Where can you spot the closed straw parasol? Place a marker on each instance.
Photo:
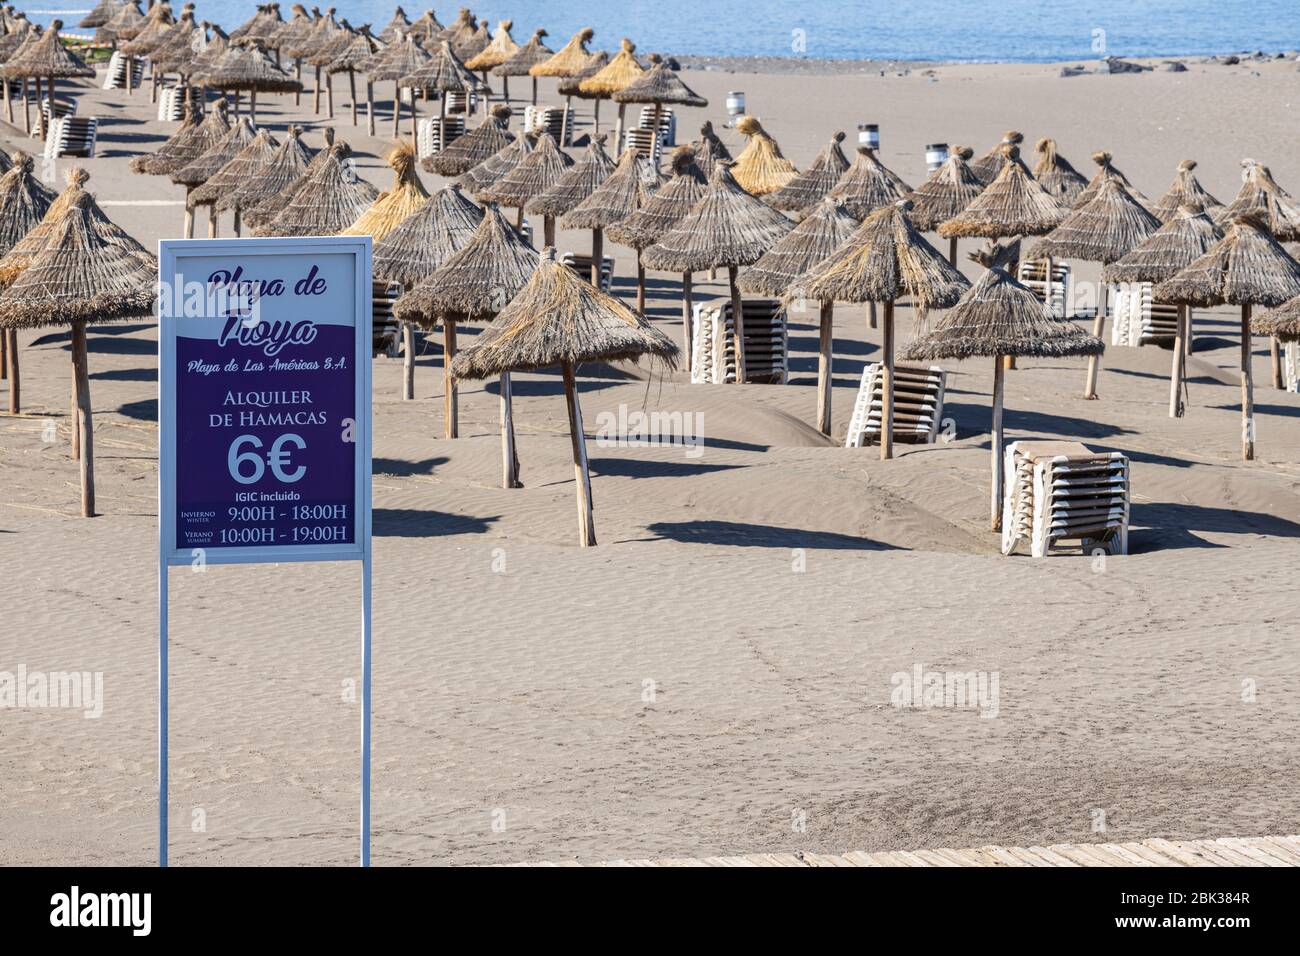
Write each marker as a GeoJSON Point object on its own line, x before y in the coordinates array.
{"type": "Point", "coordinates": [1000, 317]}
{"type": "Point", "coordinates": [661, 87]}
{"type": "Point", "coordinates": [46, 57]}
{"type": "Point", "coordinates": [987, 167]}
{"type": "Point", "coordinates": [726, 227]}
{"type": "Point", "coordinates": [465, 152]}
{"type": "Point", "coordinates": [246, 165]}
{"type": "Point", "coordinates": [462, 26]}
{"type": "Point", "coordinates": [392, 207]}
{"type": "Point", "coordinates": [124, 24]}
{"type": "Point", "coordinates": [471, 284]}
{"type": "Point", "coordinates": [249, 27]}
{"type": "Point", "coordinates": [868, 184]}
{"type": "Point", "coordinates": [443, 73]}
{"type": "Point", "coordinates": [306, 42]}
{"type": "Point", "coordinates": [285, 167]}
{"type": "Point", "coordinates": [626, 188]}
{"type": "Point", "coordinates": [153, 33]}
{"type": "Point", "coordinates": [289, 35]}
{"type": "Point", "coordinates": [327, 52]}
{"type": "Point", "coordinates": [264, 204]}
{"type": "Point", "coordinates": [661, 212]}
{"type": "Point", "coordinates": [568, 61]}
{"type": "Point", "coordinates": [500, 49]}
{"type": "Point", "coordinates": [709, 149]}
{"type": "Point", "coordinates": [396, 27]}
{"type": "Point", "coordinates": [1101, 230]}
{"type": "Point", "coordinates": [523, 60]}
{"type": "Point", "coordinates": [950, 189]}
{"type": "Point", "coordinates": [1014, 204]}
{"type": "Point", "coordinates": [1247, 267]}
{"type": "Point", "coordinates": [883, 261]}
{"type": "Point", "coordinates": [533, 175]}
{"type": "Point", "coordinates": [808, 187]}
{"type": "Point", "coordinates": [761, 168]}
{"type": "Point", "coordinates": [1186, 190]}
{"type": "Point", "coordinates": [203, 168]}
{"type": "Point", "coordinates": [575, 185]}
{"type": "Point", "coordinates": [1055, 174]}
{"type": "Point", "coordinates": [101, 14]}
{"type": "Point", "coordinates": [421, 242]}
{"type": "Point", "coordinates": [24, 201]}
{"type": "Point", "coordinates": [249, 68]}
{"type": "Point", "coordinates": [400, 58]}
{"type": "Point", "coordinates": [619, 73]}
{"type": "Point", "coordinates": [1106, 170]}
{"type": "Point", "coordinates": [820, 233]}
{"type": "Point", "coordinates": [475, 43]}
{"type": "Point", "coordinates": [427, 29]}
{"type": "Point", "coordinates": [358, 48]}
{"type": "Point", "coordinates": [497, 165]}
{"type": "Point", "coordinates": [572, 86]}
{"type": "Point", "coordinates": [327, 201]}
{"type": "Point", "coordinates": [176, 52]}
{"type": "Point", "coordinates": [84, 273]}
{"type": "Point", "coordinates": [1186, 236]}
{"type": "Point", "coordinates": [560, 319]}
{"type": "Point", "coordinates": [1259, 191]}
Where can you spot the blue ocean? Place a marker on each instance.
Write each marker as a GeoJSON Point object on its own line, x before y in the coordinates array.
{"type": "Point", "coordinates": [967, 30]}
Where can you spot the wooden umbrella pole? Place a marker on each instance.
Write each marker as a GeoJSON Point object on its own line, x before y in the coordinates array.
{"type": "Point", "coordinates": [329, 94]}
{"type": "Point", "coordinates": [189, 215]}
{"type": "Point", "coordinates": [442, 123]}
{"type": "Point", "coordinates": [534, 91]}
{"type": "Point", "coordinates": [237, 224]}
{"type": "Point", "coordinates": [597, 254]}
{"type": "Point", "coordinates": [212, 220]}
{"type": "Point", "coordinates": [871, 315]}
{"type": "Point", "coordinates": [952, 251]}
{"type": "Point", "coordinates": [509, 457]}
{"type": "Point", "coordinates": [370, 107]}
{"type": "Point", "coordinates": [45, 124]}
{"type": "Point", "coordinates": [9, 106]}
{"type": "Point", "coordinates": [824, 340]}
{"type": "Point", "coordinates": [688, 309]}
{"type": "Point", "coordinates": [1047, 288]}
{"type": "Point", "coordinates": [252, 106]}
{"type": "Point", "coordinates": [74, 411]}
{"type": "Point", "coordinates": [1098, 327]}
{"type": "Point", "coordinates": [1247, 391]}
{"type": "Point", "coordinates": [315, 94]}
{"type": "Point", "coordinates": [999, 373]}
{"type": "Point", "coordinates": [581, 476]}
{"type": "Point", "coordinates": [15, 374]}
{"type": "Point", "coordinates": [548, 230]}
{"type": "Point", "coordinates": [738, 322]}
{"type": "Point", "coordinates": [505, 88]}
{"type": "Point", "coordinates": [297, 75]}
{"type": "Point", "coordinates": [1176, 371]}
{"type": "Point", "coordinates": [352, 94]}
{"type": "Point", "coordinates": [656, 138]}
{"type": "Point", "coordinates": [4, 354]}
{"type": "Point", "coordinates": [451, 411]}
{"type": "Point", "coordinates": [87, 429]}
{"type": "Point", "coordinates": [408, 361]}
{"type": "Point", "coordinates": [596, 117]}
{"type": "Point", "coordinates": [618, 129]}
{"type": "Point", "coordinates": [640, 283]}
{"type": "Point", "coordinates": [887, 387]}
{"type": "Point", "coordinates": [397, 110]}
{"type": "Point", "coordinates": [27, 111]}
{"type": "Point", "coordinates": [1275, 353]}
{"type": "Point", "coordinates": [414, 121]}
{"type": "Point", "coordinates": [564, 121]}
{"type": "Point", "coordinates": [40, 113]}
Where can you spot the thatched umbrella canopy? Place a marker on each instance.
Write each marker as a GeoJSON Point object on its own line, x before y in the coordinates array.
{"type": "Point", "coordinates": [568, 61]}
{"type": "Point", "coordinates": [46, 57]}
{"type": "Point", "coordinates": [1280, 323]}
{"type": "Point", "coordinates": [24, 201]}
{"type": "Point", "coordinates": [190, 128]}
{"type": "Point", "coordinates": [1186, 190]}
{"type": "Point", "coordinates": [868, 184]}
{"type": "Point", "coordinates": [250, 26]}
{"type": "Point", "coordinates": [661, 87]}
{"type": "Point", "coordinates": [532, 175]}
{"type": "Point", "coordinates": [1183, 238]}
{"type": "Point", "coordinates": [950, 189]}
{"type": "Point", "coordinates": [1101, 230]}
{"type": "Point", "coordinates": [987, 167]}
{"type": "Point", "coordinates": [761, 168]}
{"type": "Point", "coordinates": [807, 188]}
{"type": "Point", "coordinates": [1000, 317]}
{"type": "Point", "coordinates": [560, 319]}
{"type": "Point", "coordinates": [1259, 191]}
{"type": "Point", "coordinates": [197, 172]}
{"type": "Point", "coordinates": [709, 149]}
{"type": "Point", "coordinates": [778, 270]}
{"type": "Point", "coordinates": [101, 14]}
{"type": "Point", "coordinates": [124, 24]}
{"type": "Point", "coordinates": [327, 201]}
{"type": "Point", "coordinates": [726, 227]}
{"type": "Point", "coordinates": [523, 60]}
{"type": "Point", "coordinates": [470, 46]}
{"type": "Point", "coordinates": [400, 58]}
{"type": "Point", "coordinates": [572, 85]}
{"type": "Point", "coordinates": [209, 49]}
{"type": "Point", "coordinates": [246, 165]}
{"type": "Point", "coordinates": [327, 52]}
{"type": "Point", "coordinates": [176, 51]}
{"type": "Point", "coordinates": [268, 25]}
{"type": "Point", "coordinates": [624, 191]}
{"type": "Point", "coordinates": [1247, 267]}
{"type": "Point", "coordinates": [885, 260]}
{"type": "Point", "coordinates": [573, 186]}
{"type": "Point", "coordinates": [497, 165]}
{"type": "Point", "coordinates": [1055, 174]}
{"type": "Point", "coordinates": [661, 212]}
{"type": "Point", "coordinates": [153, 32]}
{"type": "Point", "coordinates": [462, 26]}
{"type": "Point", "coordinates": [82, 274]}
{"type": "Point", "coordinates": [261, 204]}
{"type": "Point", "coordinates": [443, 73]}
{"type": "Point", "coordinates": [404, 199]}
{"type": "Point", "coordinates": [422, 241]}
{"type": "Point", "coordinates": [464, 153]}
{"type": "Point", "coordinates": [249, 68]}
{"type": "Point", "coordinates": [1106, 170]}
{"type": "Point", "coordinates": [618, 73]}
{"type": "Point", "coordinates": [19, 257]}
{"type": "Point", "coordinates": [1014, 204]}
{"type": "Point", "coordinates": [500, 49]}
{"type": "Point", "coordinates": [358, 48]}
{"type": "Point", "coordinates": [397, 26]}
{"type": "Point", "coordinates": [289, 35]}
{"type": "Point", "coordinates": [285, 167]}
{"type": "Point", "coordinates": [427, 28]}
{"type": "Point", "coordinates": [302, 43]}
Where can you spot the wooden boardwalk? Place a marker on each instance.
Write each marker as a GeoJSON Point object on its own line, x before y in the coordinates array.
{"type": "Point", "coordinates": [1227, 851]}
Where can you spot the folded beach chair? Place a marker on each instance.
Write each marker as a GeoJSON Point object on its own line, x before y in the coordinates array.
{"type": "Point", "coordinates": [581, 264]}
{"type": "Point", "coordinates": [1057, 491]}
{"type": "Point", "coordinates": [428, 134]}
{"type": "Point", "coordinates": [551, 119]}
{"type": "Point", "coordinates": [667, 125]}
{"type": "Point", "coordinates": [61, 108]}
{"type": "Point", "coordinates": [1033, 275]}
{"type": "Point", "coordinates": [72, 136]}
{"type": "Point", "coordinates": [115, 77]}
{"type": "Point", "coordinates": [171, 103]}
{"type": "Point", "coordinates": [1291, 366]}
{"type": "Point", "coordinates": [464, 103]}
{"type": "Point", "coordinates": [1136, 319]}
{"type": "Point", "coordinates": [766, 340]}
{"type": "Point", "coordinates": [918, 405]}
{"type": "Point", "coordinates": [384, 333]}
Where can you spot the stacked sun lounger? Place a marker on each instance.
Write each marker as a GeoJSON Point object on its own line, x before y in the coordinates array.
{"type": "Point", "coordinates": [1138, 320]}
{"type": "Point", "coordinates": [1057, 491]}
{"type": "Point", "coordinates": [713, 343]}
{"type": "Point", "coordinates": [581, 264]}
{"type": "Point", "coordinates": [1033, 275]}
{"type": "Point", "coordinates": [115, 77]}
{"type": "Point", "coordinates": [72, 136]}
{"type": "Point", "coordinates": [171, 103]}
{"type": "Point", "coordinates": [1291, 366]}
{"type": "Point", "coordinates": [918, 405]}
{"type": "Point", "coordinates": [428, 134]}
{"type": "Point", "coordinates": [384, 333]}
{"type": "Point", "coordinates": [549, 118]}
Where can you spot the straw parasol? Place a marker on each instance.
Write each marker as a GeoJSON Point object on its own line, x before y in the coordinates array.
{"type": "Point", "coordinates": [568, 61]}
{"type": "Point", "coordinates": [1014, 204]}
{"type": "Point", "coordinates": [572, 86]}
{"type": "Point", "coordinates": [181, 150]}
{"type": "Point", "coordinates": [475, 43]}
{"type": "Point", "coordinates": [287, 37]}
{"type": "Point", "coordinates": [359, 48]}
{"type": "Point", "coordinates": [501, 48]}
{"type": "Point", "coordinates": [807, 188]}
{"type": "Point", "coordinates": [101, 14]}
{"type": "Point", "coordinates": [465, 152]}
{"type": "Point", "coordinates": [124, 24]}
{"type": "Point", "coordinates": [1186, 190]}
{"type": "Point", "coordinates": [24, 201]}
{"type": "Point", "coordinates": [285, 167]}
{"type": "Point", "coordinates": [153, 32]}
{"type": "Point", "coordinates": [392, 207]}
{"type": "Point", "coordinates": [883, 261]}
{"type": "Point", "coordinates": [950, 189]}
{"type": "Point", "coordinates": [327, 52]}
{"type": "Point", "coordinates": [462, 26]}
{"type": "Point", "coordinates": [559, 319]}
{"type": "Point", "coordinates": [249, 27]}
{"type": "Point", "coordinates": [621, 71]}
{"type": "Point", "coordinates": [328, 200]}
{"type": "Point", "coordinates": [1106, 170]}
{"type": "Point", "coordinates": [661, 87]}
{"type": "Point", "coordinates": [443, 73]}
{"type": "Point", "coordinates": [1186, 236]}
{"type": "Point", "coordinates": [83, 274]}
{"type": "Point", "coordinates": [176, 52]}
{"type": "Point", "coordinates": [249, 68]}
{"type": "Point", "coordinates": [191, 121]}
{"type": "Point", "coordinates": [761, 168]}
{"type": "Point", "coordinates": [661, 212]}
{"type": "Point", "coordinates": [1101, 230]}
{"type": "Point", "coordinates": [1260, 191]}
{"type": "Point", "coordinates": [1000, 317]}
{"type": "Point", "coordinates": [532, 175]}
{"type": "Point", "coordinates": [521, 62]}
{"type": "Point", "coordinates": [577, 183]}
{"type": "Point", "coordinates": [263, 204]}
{"type": "Point", "coordinates": [422, 241]}
{"type": "Point", "coordinates": [46, 57]}
{"type": "Point", "coordinates": [304, 42]}
{"type": "Point", "coordinates": [987, 167]}
{"type": "Point", "coordinates": [203, 168]}
{"type": "Point", "coordinates": [1247, 267]}
{"type": "Point", "coordinates": [497, 165]}
{"type": "Point", "coordinates": [624, 191]}
{"type": "Point", "coordinates": [776, 272]}
{"type": "Point", "coordinates": [246, 165]}
{"type": "Point", "coordinates": [1280, 323]}
{"type": "Point", "coordinates": [427, 28]}
{"type": "Point", "coordinates": [726, 227]}
{"type": "Point", "coordinates": [396, 27]}
{"type": "Point", "coordinates": [709, 149]}
{"type": "Point", "coordinates": [1055, 174]}
{"type": "Point", "coordinates": [400, 58]}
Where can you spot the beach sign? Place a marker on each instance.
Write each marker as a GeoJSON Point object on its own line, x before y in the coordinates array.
{"type": "Point", "coordinates": [264, 421]}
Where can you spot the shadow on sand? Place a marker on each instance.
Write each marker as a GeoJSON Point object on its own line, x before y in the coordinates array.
{"type": "Point", "coordinates": [744, 535]}
{"type": "Point", "coordinates": [413, 523]}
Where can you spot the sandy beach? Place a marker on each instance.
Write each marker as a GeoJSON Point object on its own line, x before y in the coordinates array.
{"type": "Point", "coordinates": [715, 677]}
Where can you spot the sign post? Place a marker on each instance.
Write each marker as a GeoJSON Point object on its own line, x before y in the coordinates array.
{"type": "Point", "coordinates": [264, 424]}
